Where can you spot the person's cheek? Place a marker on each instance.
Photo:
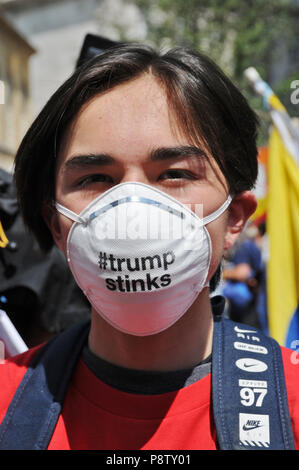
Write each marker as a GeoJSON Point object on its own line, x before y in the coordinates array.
{"type": "Point", "coordinates": [217, 237]}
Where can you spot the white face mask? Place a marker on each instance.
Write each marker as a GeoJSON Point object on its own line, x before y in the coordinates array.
{"type": "Point", "coordinates": [140, 256]}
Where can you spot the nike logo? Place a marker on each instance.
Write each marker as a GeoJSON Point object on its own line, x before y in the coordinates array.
{"type": "Point", "coordinates": [251, 365]}
{"type": "Point", "coordinates": [250, 427]}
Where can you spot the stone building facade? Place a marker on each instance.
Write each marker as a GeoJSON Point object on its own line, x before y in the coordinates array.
{"type": "Point", "coordinates": [15, 104]}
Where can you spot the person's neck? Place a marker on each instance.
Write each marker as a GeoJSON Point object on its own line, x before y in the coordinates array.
{"type": "Point", "coordinates": [184, 345]}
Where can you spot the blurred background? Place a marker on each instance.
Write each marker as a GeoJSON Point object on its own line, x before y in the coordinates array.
{"type": "Point", "coordinates": [40, 42]}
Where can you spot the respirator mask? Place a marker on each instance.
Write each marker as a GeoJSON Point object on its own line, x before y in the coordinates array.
{"type": "Point", "coordinates": [140, 256]}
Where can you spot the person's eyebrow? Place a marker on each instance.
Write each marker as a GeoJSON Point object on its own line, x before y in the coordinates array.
{"type": "Point", "coordinates": [91, 159]}
{"type": "Point", "coordinates": [177, 152]}
{"type": "Point", "coordinates": [158, 154]}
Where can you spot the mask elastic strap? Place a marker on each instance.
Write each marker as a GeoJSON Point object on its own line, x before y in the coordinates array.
{"type": "Point", "coordinates": [69, 214]}
{"type": "Point", "coordinates": [218, 212]}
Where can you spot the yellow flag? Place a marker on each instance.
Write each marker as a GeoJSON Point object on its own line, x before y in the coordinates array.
{"type": "Point", "coordinates": [283, 233]}
{"type": "Point", "coordinates": [282, 207]}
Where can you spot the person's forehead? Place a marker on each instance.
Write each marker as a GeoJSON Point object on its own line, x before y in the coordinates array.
{"type": "Point", "coordinates": [135, 110]}
{"type": "Point", "coordinates": [143, 93]}
{"type": "Point", "coordinates": [138, 88]}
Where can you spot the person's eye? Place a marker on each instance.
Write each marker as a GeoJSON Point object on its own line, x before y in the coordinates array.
{"type": "Point", "coordinates": [93, 179]}
{"type": "Point", "coordinates": [176, 175]}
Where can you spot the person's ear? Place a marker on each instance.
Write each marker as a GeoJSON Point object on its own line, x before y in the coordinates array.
{"type": "Point", "coordinates": [51, 218]}
{"type": "Point", "coordinates": [241, 208]}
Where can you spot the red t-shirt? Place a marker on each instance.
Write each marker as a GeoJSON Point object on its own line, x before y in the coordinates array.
{"type": "Point", "coordinates": [96, 416]}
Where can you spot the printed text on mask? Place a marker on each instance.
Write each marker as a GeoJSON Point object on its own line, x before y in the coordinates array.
{"type": "Point", "coordinates": [123, 283]}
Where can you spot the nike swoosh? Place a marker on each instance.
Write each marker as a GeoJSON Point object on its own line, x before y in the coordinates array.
{"type": "Point", "coordinates": [249, 365]}
{"type": "Point", "coordinates": [248, 428]}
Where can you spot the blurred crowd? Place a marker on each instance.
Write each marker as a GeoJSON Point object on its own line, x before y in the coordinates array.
{"type": "Point", "coordinates": [244, 278]}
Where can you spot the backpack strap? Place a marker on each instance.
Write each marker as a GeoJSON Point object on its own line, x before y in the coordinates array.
{"type": "Point", "coordinates": [250, 403]}
{"type": "Point", "coordinates": [43, 388]}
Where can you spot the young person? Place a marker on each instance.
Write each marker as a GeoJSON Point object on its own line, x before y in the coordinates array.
{"type": "Point", "coordinates": [140, 168]}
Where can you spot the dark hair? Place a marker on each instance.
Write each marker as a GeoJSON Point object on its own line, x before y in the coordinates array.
{"type": "Point", "coordinates": [207, 106]}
